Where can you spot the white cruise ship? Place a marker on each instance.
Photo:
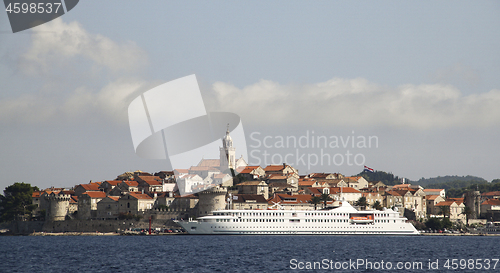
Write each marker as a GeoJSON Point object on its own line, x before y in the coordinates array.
{"type": "Point", "coordinates": [344, 220]}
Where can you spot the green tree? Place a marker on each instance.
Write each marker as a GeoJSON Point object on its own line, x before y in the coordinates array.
{"type": "Point", "coordinates": [444, 210]}
{"type": "Point", "coordinates": [315, 200]}
{"type": "Point", "coordinates": [377, 205]}
{"type": "Point", "coordinates": [361, 202]}
{"type": "Point", "coordinates": [386, 178]}
{"type": "Point", "coordinates": [434, 223]}
{"type": "Point", "coordinates": [16, 201]}
{"type": "Point", "coordinates": [467, 211]}
{"type": "Point", "coordinates": [325, 198]}
{"type": "Point", "coordinates": [447, 223]}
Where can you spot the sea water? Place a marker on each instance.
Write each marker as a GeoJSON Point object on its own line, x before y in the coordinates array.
{"type": "Point", "coordinates": [187, 253]}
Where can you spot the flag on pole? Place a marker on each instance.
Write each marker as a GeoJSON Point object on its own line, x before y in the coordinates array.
{"type": "Point", "coordinates": [367, 169]}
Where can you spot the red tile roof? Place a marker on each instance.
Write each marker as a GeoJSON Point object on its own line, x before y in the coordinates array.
{"type": "Point", "coordinates": [493, 202]}
{"type": "Point", "coordinates": [277, 177]}
{"type": "Point", "coordinates": [95, 194]}
{"type": "Point", "coordinates": [319, 175]}
{"type": "Point", "coordinates": [431, 197]}
{"type": "Point", "coordinates": [491, 194]}
{"type": "Point", "coordinates": [131, 183]}
{"type": "Point", "coordinates": [90, 187]}
{"type": "Point", "coordinates": [457, 200]}
{"type": "Point", "coordinates": [274, 168]}
{"type": "Point", "coordinates": [344, 190]}
{"type": "Point", "coordinates": [433, 190]}
{"type": "Point", "coordinates": [140, 195]}
{"type": "Point", "coordinates": [113, 182]}
{"type": "Point", "coordinates": [306, 182]}
{"type": "Point", "coordinates": [393, 193]}
{"type": "Point", "coordinates": [249, 169]}
{"type": "Point", "coordinates": [355, 177]}
{"type": "Point", "coordinates": [445, 203]}
{"type": "Point", "coordinates": [316, 191]}
{"type": "Point", "coordinates": [150, 180]}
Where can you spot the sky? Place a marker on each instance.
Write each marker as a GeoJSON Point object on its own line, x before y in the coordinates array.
{"type": "Point", "coordinates": [407, 87]}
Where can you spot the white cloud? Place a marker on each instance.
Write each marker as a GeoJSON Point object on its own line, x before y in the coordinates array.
{"type": "Point", "coordinates": [358, 102]}
{"type": "Point", "coordinates": [64, 55]}
{"type": "Point", "coordinates": [110, 103]}
{"type": "Point", "coordinates": [25, 108]}
{"type": "Point", "coordinates": [57, 42]}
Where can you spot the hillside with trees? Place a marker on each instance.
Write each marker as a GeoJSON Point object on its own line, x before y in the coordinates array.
{"type": "Point", "coordinates": [386, 178]}
{"type": "Point", "coordinates": [484, 187]}
{"type": "Point", "coordinates": [458, 181]}
{"type": "Point", "coordinates": [454, 185]}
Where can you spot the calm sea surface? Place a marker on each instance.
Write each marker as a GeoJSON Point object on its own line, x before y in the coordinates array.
{"type": "Point", "coordinates": [246, 253]}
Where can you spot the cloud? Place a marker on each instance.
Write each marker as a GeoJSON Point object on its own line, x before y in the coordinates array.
{"type": "Point", "coordinates": [109, 103]}
{"type": "Point", "coordinates": [56, 43]}
{"type": "Point", "coordinates": [25, 107]}
{"type": "Point", "coordinates": [58, 52]}
{"type": "Point", "coordinates": [357, 102]}
{"type": "Point", "coordinates": [69, 74]}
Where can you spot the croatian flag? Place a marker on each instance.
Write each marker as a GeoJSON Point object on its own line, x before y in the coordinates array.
{"type": "Point", "coordinates": [368, 169]}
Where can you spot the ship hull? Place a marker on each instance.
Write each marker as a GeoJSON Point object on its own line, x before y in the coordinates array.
{"type": "Point", "coordinates": [344, 220]}
{"type": "Point", "coordinates": [203, 228]}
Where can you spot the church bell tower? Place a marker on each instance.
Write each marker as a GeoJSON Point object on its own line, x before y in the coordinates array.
{"type": "Point", "coordinates": [227, 153]}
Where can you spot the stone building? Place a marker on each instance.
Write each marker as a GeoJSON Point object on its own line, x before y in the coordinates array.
{"type": "Point", "coordinates": [431, 201]}
{"type": "Point", "coordinates": [135, 202]}
{"type": "Point", "coordinates": [211, 200]}
{"type": "Point", "coordinates": [248, 201]}
{"type": "Point", "coordinates": [87, 204]}
{"type": "Point", "coordinates": [254, 187]}
{"type": "Point", "coordinates": [108, 208]}
{"type": "Point", "coordinates": [252, 173]}
{"type": "Point", "coordinates": [472, 199]}
{"type": "Point", "coordinates": [81, 188]}
{"type": "Point", "coordinates": [57, 205]}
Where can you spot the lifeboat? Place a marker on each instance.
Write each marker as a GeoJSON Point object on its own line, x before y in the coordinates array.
{"type": "Point", "coordinates": [362, 219]}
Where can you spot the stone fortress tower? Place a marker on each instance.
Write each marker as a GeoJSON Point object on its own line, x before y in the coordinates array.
{"type": "Point", "coordinates": [57, 206]}
{"type": "Point", "coordinates": [472, 199]}
{"type": "Point", "coordinates": [211, 200]}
